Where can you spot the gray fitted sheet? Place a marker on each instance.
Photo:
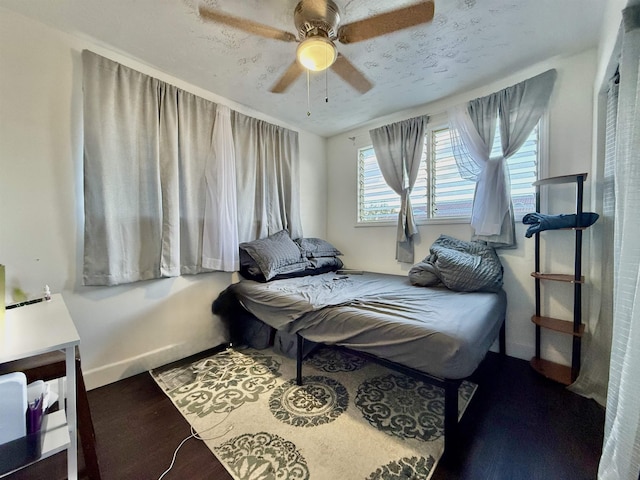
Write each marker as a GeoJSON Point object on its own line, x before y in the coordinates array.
{"type": "Point", "coordinates": [434, 330]}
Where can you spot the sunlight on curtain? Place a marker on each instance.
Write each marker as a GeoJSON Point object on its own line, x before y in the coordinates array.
{"type": "Point", "coordinates": [594, 372]}
{"type": "Point", "coordinates": [472, 140]}
{"type": "Point", "coordinates": [220, 240]}
{"type": "Point", "coordinates": [519, 108]}
{"type": "Point", "coordinates": [621, 451]}
{"type": "Point", "coordinates": [398, 148]}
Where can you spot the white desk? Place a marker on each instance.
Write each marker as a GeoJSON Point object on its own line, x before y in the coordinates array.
{"type": "Point", "coordinates": [40, 328]}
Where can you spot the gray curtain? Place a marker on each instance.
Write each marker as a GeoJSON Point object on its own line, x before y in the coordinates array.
{"type": "Point", "coordinates": [160, 178]}
{"type": "Point", "coordinates": [519, 108]}
{"type": "Point", "coordinates": [196, 117]}
{"type": "Point", "coordinates": [123, 205]}
{"type": "Point", "coordinates": [146, 146]}
{"type": "Point", "coordinates": [398, 149]}
{"type": "Point", "coordinates": [268, 178]}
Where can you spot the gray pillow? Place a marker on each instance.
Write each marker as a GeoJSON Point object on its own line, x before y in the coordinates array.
{"type": "Point", "coordinates": [467, 266]}
{"type": "Point", "coordinates": [460, 266]}
{"type": "Point", "coordinates": [424, 274]}
{"type": "Point", "coordinates": [317, 247]}
{"type": "Point", "coordinates": [275, 254]}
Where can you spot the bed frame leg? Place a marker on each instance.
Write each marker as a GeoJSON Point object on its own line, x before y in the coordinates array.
{"type": "Point", "coordinates": [450, 416]}
{"type": "Point", "coordinates": [299, 355]}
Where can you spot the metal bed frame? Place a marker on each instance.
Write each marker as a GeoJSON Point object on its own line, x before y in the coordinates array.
{"type": "Point", "coordinates": [450, 386]}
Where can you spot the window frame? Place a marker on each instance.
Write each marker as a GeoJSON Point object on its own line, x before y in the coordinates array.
{"type": "Point", "coordinates": [440, 121]}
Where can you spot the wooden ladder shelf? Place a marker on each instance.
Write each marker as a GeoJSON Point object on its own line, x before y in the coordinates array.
{"type": "Point", "coordinates": [575, 328]}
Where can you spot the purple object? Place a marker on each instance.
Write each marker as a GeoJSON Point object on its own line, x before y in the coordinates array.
{"type": "Point", "coordinates": [34, 416]}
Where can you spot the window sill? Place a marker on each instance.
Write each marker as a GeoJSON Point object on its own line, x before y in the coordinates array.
{"type": "Point", "coordinates": [419, 222]}
{"type": "Point", "coordinates": [430, 221]}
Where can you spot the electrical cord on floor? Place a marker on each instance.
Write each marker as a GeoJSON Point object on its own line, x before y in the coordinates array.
{"type": "Point", "coordinates": [197, 436]}
{"type": "Point", "coordinates": [222, 372]}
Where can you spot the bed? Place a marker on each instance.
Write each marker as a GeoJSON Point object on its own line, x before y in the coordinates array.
{"type": "Point", "coordinates": [434, 333]}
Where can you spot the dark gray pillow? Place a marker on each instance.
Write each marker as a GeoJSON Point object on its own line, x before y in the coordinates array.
{"type": "Point", "coordinates": [275, 254]}
{"type": "Point", "coordinates": [326, 263]}
{"type": "Point", "coordinates": [248, 264]}
{"type": "Point", "coordinates": [317, 247]}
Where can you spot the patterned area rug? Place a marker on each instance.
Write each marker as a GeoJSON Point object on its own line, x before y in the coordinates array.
{"type": "Point", "coordinates": [351, 419]}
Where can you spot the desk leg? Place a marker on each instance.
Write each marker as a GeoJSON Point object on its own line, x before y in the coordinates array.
{"type": "Point", "coordinates": [72, 451]}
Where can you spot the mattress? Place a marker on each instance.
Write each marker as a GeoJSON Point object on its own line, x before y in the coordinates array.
{"type": "Point", "coordinates": [434, 330]}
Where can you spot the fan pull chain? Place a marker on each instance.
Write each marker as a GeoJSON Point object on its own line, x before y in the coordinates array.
{"type": "Point", "coordinates": [308, 97]}
{"type": "Point", "coordinates": [326, 78]}
{"type": "Point", "coordinates": [326, 86]}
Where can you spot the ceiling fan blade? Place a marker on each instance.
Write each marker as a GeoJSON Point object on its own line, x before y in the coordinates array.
{"type": "Point", "coordinates": [387, 22]}
{"type": "Point", "coordinates": [246, 25]}
{"type": "Point", "coordinates": [351, 74]}
{"type": "Point", "coordinates": [288, 77]}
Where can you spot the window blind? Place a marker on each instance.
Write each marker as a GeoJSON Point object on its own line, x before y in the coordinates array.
{"type": "Point", "coordinates": [440, 191]}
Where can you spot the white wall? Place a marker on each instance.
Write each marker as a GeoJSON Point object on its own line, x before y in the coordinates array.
{"type": "Point", "coordinates": [570, 127]}
{"type": "Point", "coordinates": [125, 329]}
{"type": "Point", "coordinates": [128, 329]}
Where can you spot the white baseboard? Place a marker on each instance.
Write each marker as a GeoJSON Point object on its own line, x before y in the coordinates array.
{"type": "Point", "coordinates": [106, 374]}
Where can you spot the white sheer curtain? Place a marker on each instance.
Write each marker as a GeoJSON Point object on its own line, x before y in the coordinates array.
{"type": "Point", "coordinates": [594, 371]}
{"type": "Point", "coordinates": [220, 240]}
{"type": "Point", "coordinates": [519, 109]}
{"type": "Point", "coordinates": [267, 177]}
{"type": "Point", "coordinates": [472, 151]}
{"type": "Point", "coordinates": [398, 148]}
{"type": "Point", "coordinates": [621, 451]}
{"type": "Point", "coordinates": [492, 209]}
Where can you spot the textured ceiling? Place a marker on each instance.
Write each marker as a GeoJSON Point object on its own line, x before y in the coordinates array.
{"type": "Point", "coordinates": [468, 43]}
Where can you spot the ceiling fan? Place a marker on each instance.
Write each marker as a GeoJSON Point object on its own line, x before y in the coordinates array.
{"type": "Point", "coordinates": [318, 26]}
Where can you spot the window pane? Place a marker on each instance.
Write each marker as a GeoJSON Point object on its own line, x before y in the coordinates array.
{"type": "Point", "coordinates": [452, 194]}
{"type": "Point", "coordinates": [523, 171]}
{"type": "Point", "coordinates": [377, 202]}
{"type": "Point", "coordinates": [439, 191]}
{"type": "Point", "coordinates": [421, 188]}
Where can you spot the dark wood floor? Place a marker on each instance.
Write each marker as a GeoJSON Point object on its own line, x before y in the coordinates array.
{"type": "Point", "coordinates": [519, 426]}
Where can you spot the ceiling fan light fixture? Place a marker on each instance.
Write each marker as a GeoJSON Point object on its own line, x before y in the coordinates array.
{"type": "Point", "coordinates": [317, 53]}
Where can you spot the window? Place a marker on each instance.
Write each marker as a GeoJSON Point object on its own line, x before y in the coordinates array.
{"type": "Point", "coordinates": [439, 191]}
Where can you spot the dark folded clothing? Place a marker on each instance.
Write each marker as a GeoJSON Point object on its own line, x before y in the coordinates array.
{"type": "Point", "coordinates": [541, 221]}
